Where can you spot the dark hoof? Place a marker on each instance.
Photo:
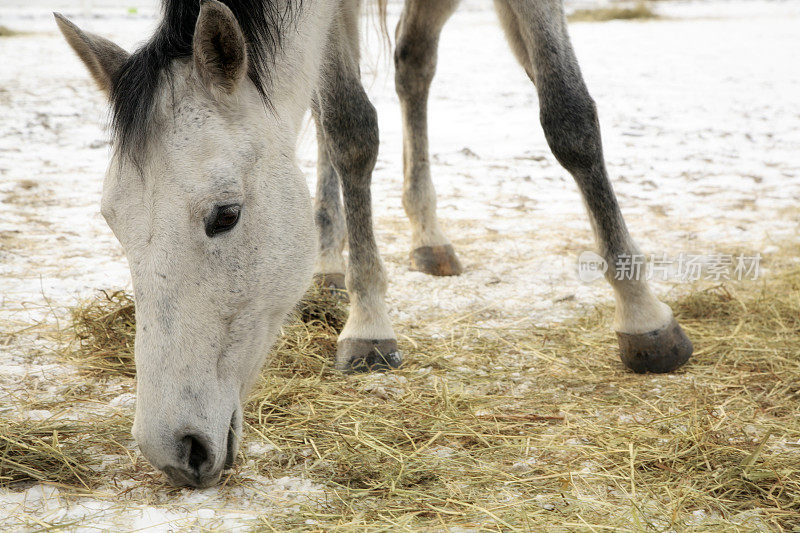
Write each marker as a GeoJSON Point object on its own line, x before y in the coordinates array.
{"type": "Point", "coordinates": [436, 260]}
{"type": "Point", "coordinates": [358, 355]}
{"type": "Point", "coordinates": [334, 283]}
{"type": "Point", "coordinates": [658, 351]}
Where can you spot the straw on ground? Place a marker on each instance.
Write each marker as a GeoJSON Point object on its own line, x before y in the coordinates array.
{"type": "Point", "coordinates": [513, 429]}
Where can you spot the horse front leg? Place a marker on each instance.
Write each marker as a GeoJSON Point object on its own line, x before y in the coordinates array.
{"type": "Point", "coordinates": [650, 339]}
{"type": "Point", "coordinates": [415, 64]}
{"type": "Point", "coordinates": [329, 270]}
{"type": "Point", "coordinates": [350, 129]}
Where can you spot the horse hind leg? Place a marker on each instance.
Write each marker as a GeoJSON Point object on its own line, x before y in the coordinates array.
{"type": "Point", "coordinates": [415, 64]}
{"type": "Point", "coordinates": [329, 271]}
{"type": "Point", "coordinates": [649, 337]}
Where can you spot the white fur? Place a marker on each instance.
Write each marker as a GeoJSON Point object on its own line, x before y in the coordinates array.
{"type": "Point", "coordinates": [368, 319]}
{"type": "Point", "coordinates": [637, 310]}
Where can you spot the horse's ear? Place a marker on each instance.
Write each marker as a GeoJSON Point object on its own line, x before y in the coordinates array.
{"type": "Point", "coordinates": [103, 58]}
{"type": "Point", "coordinates": [220, 54]}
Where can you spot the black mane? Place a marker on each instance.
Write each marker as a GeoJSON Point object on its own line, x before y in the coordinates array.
{"type": "Point", "coordinates": [133, 92]}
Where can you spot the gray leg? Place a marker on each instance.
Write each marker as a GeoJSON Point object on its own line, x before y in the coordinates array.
{"type": "Point", "coordinates": [415, 64]}
{"type": "Point", "coordinates": [650, 339]}
{"type": "Point", "coordinates": [329, 217]}
{"type": "Point", "coordinates": [350, 127]}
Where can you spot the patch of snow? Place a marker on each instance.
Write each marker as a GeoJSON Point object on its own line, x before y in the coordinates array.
{"type": "Point", "coordinates": [126, 399]}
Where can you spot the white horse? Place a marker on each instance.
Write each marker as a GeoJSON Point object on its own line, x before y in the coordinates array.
{"type": "Point", "coordinates": [204, 194]}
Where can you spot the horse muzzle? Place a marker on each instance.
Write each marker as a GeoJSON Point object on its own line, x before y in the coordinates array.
{"type": "Point", "coordinates": [193, 458]}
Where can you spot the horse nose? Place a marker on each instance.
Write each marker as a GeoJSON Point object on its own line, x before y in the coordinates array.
{"type": "Point", "coordinates": [194, 464]}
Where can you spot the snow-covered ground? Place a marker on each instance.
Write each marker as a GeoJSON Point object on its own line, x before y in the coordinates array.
{"type": "Point", "coordinates": [701, 121]}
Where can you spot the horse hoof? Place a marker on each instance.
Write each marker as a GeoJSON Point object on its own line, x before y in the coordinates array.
{"type": "Point", "coordinates": [359, 355]}
{"type": "Point", "coordinates": [436, 260]}
{"type": "Point", "coordinates": [333, 283]}
{"type": "Point", "coordinates": [659, 351]}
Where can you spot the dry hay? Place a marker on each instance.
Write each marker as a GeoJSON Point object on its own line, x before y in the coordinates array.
{"type": "Point", "coordinates": [584, 445]}
{"type": "Point", "coordinates": [53, 451]}
{"type": "Point", "coordinates": [637, 11]}
{"type": "Point", "coordinates": [534, 428]}
{"type": "Point", "coordinates": [104, 329]}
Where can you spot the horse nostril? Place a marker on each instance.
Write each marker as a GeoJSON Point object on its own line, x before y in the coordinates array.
{"type": "Point", "coordinates": [198, 453]}
{"type": "Point", "coordinates": [194, 463]}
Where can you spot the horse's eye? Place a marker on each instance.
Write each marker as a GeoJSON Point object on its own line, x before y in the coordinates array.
{"type": "Point", "coordinates": [223, 219]}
